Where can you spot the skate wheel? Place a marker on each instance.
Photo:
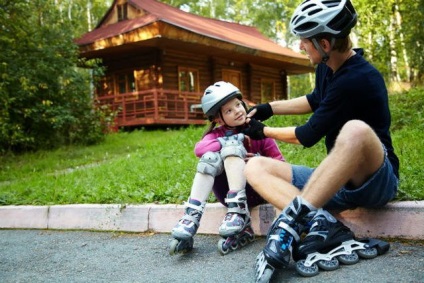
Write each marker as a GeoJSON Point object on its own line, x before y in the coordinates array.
{"type": "Point", "coordinates": [328, 265]}
{"type": "Point", "coordinates": [306, 271]}
{"type": "Point", "coordinates": [173, 246]}
{"type": "Point", "coordinates": [243, 242]}
{"type": "Point", "coordinates": [266, 276]}
{"type": "Point", "coordinates": [368, 253]}
{"type": "Point", "coordinates": [221, 248]}
{"type": "Point", "coordinates": [235, 246]}
{"type": "Point", "coordinates": [349, 259]}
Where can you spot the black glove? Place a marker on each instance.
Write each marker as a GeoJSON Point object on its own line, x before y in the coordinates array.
{"type": "Point", "coordinates": [263, 111]}
{"type": "Point", "coordinates": [255, 130]}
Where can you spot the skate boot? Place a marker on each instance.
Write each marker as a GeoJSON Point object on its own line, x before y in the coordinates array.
{"type": "Point", "coordinates": [330, 242]}
{"type": "Point", "coordinates": [283, 235]}
{"type": "Point", "coordinates": [186, 227]}
{"type": "Point", "coordinates": [236, 227]}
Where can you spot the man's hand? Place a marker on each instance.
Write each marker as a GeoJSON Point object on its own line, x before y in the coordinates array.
{"type": "Point", "coordinates": [260, 112]}
{"type": "Point", "coordinates": [255, 130]}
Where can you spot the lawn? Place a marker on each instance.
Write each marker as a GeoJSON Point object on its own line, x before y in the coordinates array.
{"type": "Point", "coordinates": [145, 166]}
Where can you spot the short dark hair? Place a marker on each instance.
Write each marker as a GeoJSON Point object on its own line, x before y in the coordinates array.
{"type": "Point", "coordinates": [340, 44]}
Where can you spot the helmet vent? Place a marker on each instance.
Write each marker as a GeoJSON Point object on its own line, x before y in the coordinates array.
{"type": "Point", "coordinates": [307, 7]}
{"type": "Point", "coordinates": [307, 26]}
{"type": "Point", "coordinates": [315, 11]}
{"type": "Point", "coordinates": [331, 3]}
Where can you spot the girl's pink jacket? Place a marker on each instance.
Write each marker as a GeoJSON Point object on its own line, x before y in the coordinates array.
{"type": "Point", "coordinates": [266, 147]}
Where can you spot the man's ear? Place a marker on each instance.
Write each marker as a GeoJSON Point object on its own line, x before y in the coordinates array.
{"type": "Point", "coordinates": [325, 44]}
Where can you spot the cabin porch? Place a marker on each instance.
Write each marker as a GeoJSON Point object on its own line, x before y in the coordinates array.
{"type": "Point", "coordinates": [155, 107]}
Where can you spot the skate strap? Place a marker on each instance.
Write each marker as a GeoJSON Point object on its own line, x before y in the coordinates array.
{"type": "Point", "coordinates": [199, 208]}
{"type": "Point", "coordinates": [190, 218]}
{"type": "Point", "coordinates": [288, 229]}
{"type": "Point", "coordinates": [238, 210]}
{"type": "Point", "coordinates": [239, 198]}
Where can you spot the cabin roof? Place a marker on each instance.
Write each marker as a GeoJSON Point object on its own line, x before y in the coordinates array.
{"type": "Point", "coordinates": [156, 11]}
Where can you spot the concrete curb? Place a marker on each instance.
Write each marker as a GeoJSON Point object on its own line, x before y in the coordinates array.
{"type": "Point", "coordinates": [397, 219]}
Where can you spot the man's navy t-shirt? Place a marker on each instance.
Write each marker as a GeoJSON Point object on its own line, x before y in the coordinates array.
{"type": "Point", "coordinates": [356, 91]}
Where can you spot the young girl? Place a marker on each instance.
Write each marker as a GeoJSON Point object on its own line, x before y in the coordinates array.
{"type": "Point", "coordinates": [223, 152]}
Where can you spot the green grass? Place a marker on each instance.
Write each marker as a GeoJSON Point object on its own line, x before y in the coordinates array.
{"type": "Point", "coordinates": [148, 166]}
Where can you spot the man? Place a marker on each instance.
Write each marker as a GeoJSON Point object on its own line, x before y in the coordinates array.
{"type": "Point", "coordinates": [350, 109]}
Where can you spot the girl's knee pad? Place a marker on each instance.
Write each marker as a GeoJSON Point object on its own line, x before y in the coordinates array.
{"type": "Point", "coordinates": [211, 164]}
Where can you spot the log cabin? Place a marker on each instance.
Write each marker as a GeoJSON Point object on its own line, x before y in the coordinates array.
{"type": "Point", "coordinates": [159, 59]}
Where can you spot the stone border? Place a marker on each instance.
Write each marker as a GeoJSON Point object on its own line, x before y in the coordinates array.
{"type": "Point", "coordinates": [397, 219]}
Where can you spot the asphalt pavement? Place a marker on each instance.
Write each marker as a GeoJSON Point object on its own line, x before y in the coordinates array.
{"type": "Point", "coordinates": [84, 256]}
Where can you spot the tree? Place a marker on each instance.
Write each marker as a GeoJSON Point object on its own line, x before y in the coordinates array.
{"type": "Point", "coordinates": [45, 98]}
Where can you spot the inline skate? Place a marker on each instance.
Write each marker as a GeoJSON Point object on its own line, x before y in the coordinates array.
{"type": "Point", "coordinates": [283, 235]}
{"type": "Point", "coordinates": [235, 230]}
{"type": "Point", "coordinates": [186, 228]}
{"type": "Point", "coordinates": [329, 242]}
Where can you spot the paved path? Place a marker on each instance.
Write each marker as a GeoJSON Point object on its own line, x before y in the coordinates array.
{"type": "Point", "coordinates": [82, 256]}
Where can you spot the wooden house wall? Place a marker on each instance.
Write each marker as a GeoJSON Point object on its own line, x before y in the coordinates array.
{"type": "Point", "coordinates": [171, 60]}
{"type": "Point", "coordinates": [147, 63]}
{"type": "Point", "coordinates": [259, 73]}
{"type": "Point", "coordinates": [130, 61]}
{"type": "Point", "coordinates": [163, 67]}
{"type": "Point", "coordinates": [221, 64]}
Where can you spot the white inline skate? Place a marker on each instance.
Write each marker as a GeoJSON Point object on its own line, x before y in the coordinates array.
{"type": "Point", "coordinates": [236, 227]}
{"type": "Point", "coordinates": [186, 228]}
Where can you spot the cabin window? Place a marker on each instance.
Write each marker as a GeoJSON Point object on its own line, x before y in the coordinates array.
{"type": "Point", "coordinates": [125, 82]}
{"type": "Point", "coordinates": [267, 91]}
{"type": "Point", "coordinates": [122, 12]}
{"type": "Point", "coordinates": [188, 79]}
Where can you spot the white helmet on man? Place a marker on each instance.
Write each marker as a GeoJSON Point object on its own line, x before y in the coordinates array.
{"type": "Point", "coordinates": [315, 17]}
{"type": "Point", "coordinates": [217, 95]}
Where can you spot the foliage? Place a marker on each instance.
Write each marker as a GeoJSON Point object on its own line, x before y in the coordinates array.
{"type": "Point", "coordinates": [408, 138]}
{"type": "Point", "coordinates": [388, 30]}
{"type": "Point", "coordinates": [147, 166]}
{"type": "Point", "coordinates": [45, 98]}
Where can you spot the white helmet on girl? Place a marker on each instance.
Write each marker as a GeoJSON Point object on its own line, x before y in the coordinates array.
{"type": "Point", "coordinates": [316, 17]}
{"type": "Point", "coordinates": [217, 95]}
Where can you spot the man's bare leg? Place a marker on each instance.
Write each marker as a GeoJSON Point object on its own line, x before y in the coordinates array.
{"type": "Point", "coordinates": [357, 154]}
{"type": "Point", "coordinates": [272, 180]}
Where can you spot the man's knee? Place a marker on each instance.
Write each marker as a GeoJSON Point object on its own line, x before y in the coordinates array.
{"type": "Point", "coordinates": [357, 137]}
{"type": "Point", "coordinates": [355, 131]}
{"type": "Point", "coordinates": [251, 168]}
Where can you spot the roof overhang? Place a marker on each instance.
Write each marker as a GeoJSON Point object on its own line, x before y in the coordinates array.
{"type": "Point", "coordinates": [163, 35]}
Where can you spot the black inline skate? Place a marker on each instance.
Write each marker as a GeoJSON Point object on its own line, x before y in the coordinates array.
{"type": "Point", "coordinates": [236, 227]}
{"type": "Point", "coordinates": [283, 235]}
{"type": "Point", "coordinates": [186, 228]}
{"type": "Point", "coordinates": [330, 242]}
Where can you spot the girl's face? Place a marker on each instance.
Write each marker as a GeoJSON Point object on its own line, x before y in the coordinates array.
{"type": "Point", "coordinates": [233, 113]}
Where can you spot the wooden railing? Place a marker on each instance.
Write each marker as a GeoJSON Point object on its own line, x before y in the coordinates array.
{"type": "Point", "coordinates": [155, 107]}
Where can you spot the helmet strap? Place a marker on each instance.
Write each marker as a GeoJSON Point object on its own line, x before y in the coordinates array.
{"type": "Point", "coordinates": [324, 55]}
